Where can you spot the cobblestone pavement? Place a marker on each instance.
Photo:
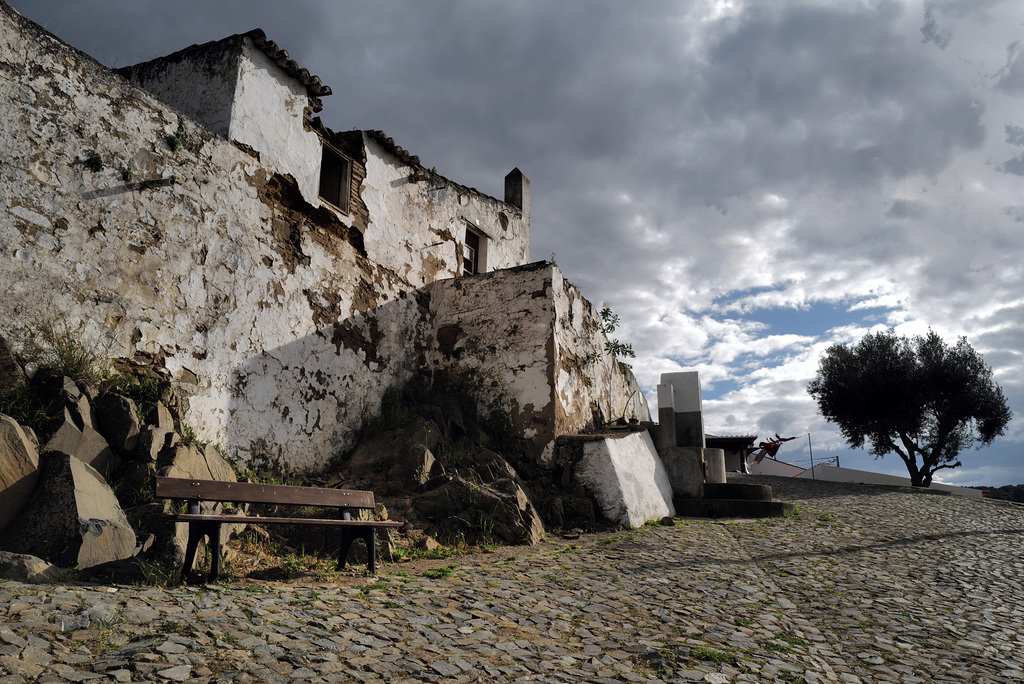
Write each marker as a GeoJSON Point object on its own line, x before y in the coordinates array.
{"type": "Point", "coordinates": [864, 584]}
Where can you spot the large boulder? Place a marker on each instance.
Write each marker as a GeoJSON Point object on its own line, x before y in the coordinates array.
{"type": "Point", "coordinates": [76, 403]}
{"type": "Point", "coordinates": [399, 460]}
{"type": "Point", "coordinates": [19, 567]}
{"type": "Point", "coordinates": [500, 508]}
{"type": "Point", "coordinates": [152, 441]}
{"type": "Point", "coordinates": [19, 469]}
{"type": "Point", "coordinates": [73, 517]}
{"type": "Point", "coordinates": [200, 462]}
{"type": "Point", "coordinates": [203, 463]}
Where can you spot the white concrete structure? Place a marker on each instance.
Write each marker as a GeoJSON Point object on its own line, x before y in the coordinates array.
{"type": "Point", "coordinates": [680, 411]}
{"type": "Point", "coordinates": [771, 466]}
{"type": "Point", "coordinates": [627, 479]}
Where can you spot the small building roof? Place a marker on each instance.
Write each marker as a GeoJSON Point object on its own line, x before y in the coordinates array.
{"type": "Point", "coordinates": [315, 88]}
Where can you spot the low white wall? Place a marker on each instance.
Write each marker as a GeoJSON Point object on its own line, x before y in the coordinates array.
{"type": "Point", "coordinates": [769, 466]}
{"type": "Point", "coordinates": [830, 473]}
{"type": "Point", "coordinates": [626, 477]}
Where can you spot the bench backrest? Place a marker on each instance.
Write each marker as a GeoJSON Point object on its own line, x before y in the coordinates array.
{"type": "Point", "coordinates": [250, 492]}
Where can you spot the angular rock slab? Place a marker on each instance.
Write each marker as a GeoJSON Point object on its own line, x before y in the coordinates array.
{"type": "Point", "coordinates": [627, 479]}
{"type": "Point", "coordinates": [11, 373]}
{"type": "Point", "coordinates": [83, 443]}
{"type": "Point", "coordinates": [200, 462]}
{"type": "Point", "coordinates": [118, 419]}
{"type": "Point", "coordinates": [19, 469]}
{"type": "Point", "coordinates": [500, 507]}
{"type": "Point", "coordinates": [73, 517]}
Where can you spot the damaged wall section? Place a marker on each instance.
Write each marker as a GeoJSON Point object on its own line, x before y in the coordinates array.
{"type": "Point", "coordinates": [529, 333]}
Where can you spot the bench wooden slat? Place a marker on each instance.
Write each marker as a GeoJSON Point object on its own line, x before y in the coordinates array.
{"type": "Point", "coordinates": [246, 520]}
{"type": "Point", "coordinates": [249, 492]}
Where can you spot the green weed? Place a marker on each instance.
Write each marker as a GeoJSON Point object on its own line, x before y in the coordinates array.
{"type": "Point", "coordinates": [701, 653]}
{"type": "Point", "coordinates": [439, 573]}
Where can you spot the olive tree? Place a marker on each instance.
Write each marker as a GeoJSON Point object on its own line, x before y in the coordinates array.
{"type": "Point", "coordinates": [921, 398]}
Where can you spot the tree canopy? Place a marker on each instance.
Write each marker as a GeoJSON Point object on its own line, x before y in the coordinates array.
{"type": "Point", "coordinates": [921, 398]}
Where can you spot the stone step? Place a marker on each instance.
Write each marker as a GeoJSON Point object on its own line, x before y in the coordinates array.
{"type": "Point", "coordinates": [731, 508]}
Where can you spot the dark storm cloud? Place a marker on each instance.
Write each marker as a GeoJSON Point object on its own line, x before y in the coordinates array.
{"type": "Point", "coordinates": [907, 209]}
{"type": "Point", "coordinates": [1014, 135]}
{"type": "Point", "coordinates": [860, 105]}
{"type": "Point", "coordinates": [124, 33]}
{"type": "Point", "coordinates": [1014, 166]}
{"type": "Point", "coordinates": [931, 32]}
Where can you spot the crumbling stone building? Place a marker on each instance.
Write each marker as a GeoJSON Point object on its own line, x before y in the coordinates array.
{"type": "Point", "coordinates": [196, 212]}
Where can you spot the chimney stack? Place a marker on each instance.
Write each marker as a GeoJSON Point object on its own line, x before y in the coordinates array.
{"type": "Point", "coordinates": [517, 192]}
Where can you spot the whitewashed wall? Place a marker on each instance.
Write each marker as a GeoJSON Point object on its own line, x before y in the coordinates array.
{"type": "Point", "coordinates": [216, 273]}
{"type": "Point", "coordinates": [268, 116]}
{"type": "Point", "coordinates": [587, 378]}
{"type": "Point", "coordinates": [236, 91]}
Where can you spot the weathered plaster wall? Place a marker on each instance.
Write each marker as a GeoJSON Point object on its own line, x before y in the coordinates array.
{"type": "Point", "coordinates": [285, 329]}
{"type": "Point", "coordinates": [199, 82]}
{"type": "Point", "coordinates": [497, 327]}
{"type": "Point", "coordinates": [233, 88]}
{"type": "Point", "coordinates": [417, 220]}
{"type": "Point", "coordinates": [593, 387]}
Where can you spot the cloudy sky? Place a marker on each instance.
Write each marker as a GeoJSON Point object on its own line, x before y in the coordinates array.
{"type": "Point", "coordinates": [743, 182]}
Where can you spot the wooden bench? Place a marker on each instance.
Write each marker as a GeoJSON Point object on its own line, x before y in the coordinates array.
{"type": "Point", "coordinates": [200, 525]}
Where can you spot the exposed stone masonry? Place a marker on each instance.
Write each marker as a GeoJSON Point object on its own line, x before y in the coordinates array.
{"type": "Point", "coordinates": [865, 584]}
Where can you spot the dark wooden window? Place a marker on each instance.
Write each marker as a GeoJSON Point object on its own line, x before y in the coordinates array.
{"type": "Point", "coordinates": [471, 254]}
{"type": "Point", "coordinates": [335, 178]}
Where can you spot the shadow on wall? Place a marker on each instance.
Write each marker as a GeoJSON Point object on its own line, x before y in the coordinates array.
{"type": "Point", "coordinates": [294, 407]}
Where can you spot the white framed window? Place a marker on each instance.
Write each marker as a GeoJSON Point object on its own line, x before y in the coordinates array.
{"type": "Point", "coordinates": [471, 253]}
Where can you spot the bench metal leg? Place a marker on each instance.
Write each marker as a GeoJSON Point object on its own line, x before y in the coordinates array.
{"type": "Point", "coordinates": [369, 536]}
{"type": "Point", "coordinates": [196, 531]}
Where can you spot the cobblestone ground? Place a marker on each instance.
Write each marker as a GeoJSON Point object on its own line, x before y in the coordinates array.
{"type": "Point", "coordinates": [864, 584]}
